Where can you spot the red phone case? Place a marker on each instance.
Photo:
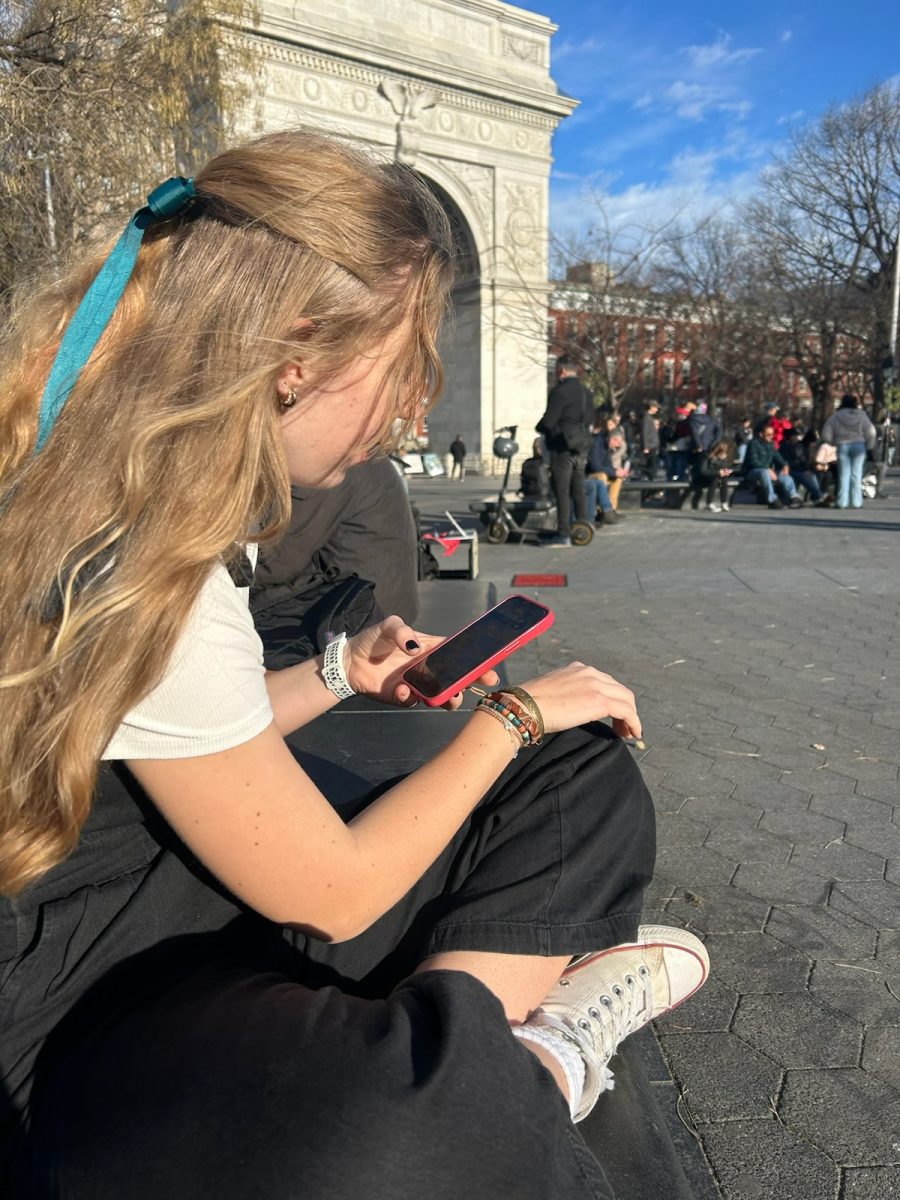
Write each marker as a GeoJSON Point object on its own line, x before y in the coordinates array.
{"type": "Point", "coordinates": [516, 643]}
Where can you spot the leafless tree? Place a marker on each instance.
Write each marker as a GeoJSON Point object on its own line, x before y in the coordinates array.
{"type": "Point", "coordinates": [102, 99]}
{"type": "Point", "coordinates": [736, 345]}
{"type": "Point", "coordinates": [611, 272]}
{"type": "Point", "coordinates": [826, 229]}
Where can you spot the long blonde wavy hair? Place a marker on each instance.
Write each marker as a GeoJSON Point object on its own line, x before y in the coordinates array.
{"type": "Point", "coordinates": [168, 455]}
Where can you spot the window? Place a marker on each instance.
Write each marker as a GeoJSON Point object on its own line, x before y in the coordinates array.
{"type": "Point", "coordinates": [649, 337]}
{"type": "Point", "coordinates": [669, 343]}
{"type": "Point", "coordinates": [685, 372]}
{"type": "Point", "coordinates": [632, 335]}
{"type": "Point", "coordinates": [571, 327]}
{"type": "Point", "coordinates": [551, 329]}
{"type": "Point", "coordinates": [612, 367]}
{"type": "Point", "coordinates": [648, 373]}
{"type": "Point", "coordinates": [668, 373]}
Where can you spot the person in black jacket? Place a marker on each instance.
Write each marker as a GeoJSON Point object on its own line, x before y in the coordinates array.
{"type": "Point", "coordinates": [709, 474]}
{"type": "Point", "coordinates": [362, 528]}
{"type": "Point", "coordinates": [795, 452]}
{"type": "Point", "coordinates": [599, 471]}
{"type": "Point", "coordinates": [566, 425]}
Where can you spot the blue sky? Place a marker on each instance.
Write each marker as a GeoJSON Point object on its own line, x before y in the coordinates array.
{"type": "Point", "coordinates": [683, 103]}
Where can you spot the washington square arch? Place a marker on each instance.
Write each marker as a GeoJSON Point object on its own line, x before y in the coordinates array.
{"type": "Point", "coordinates": [460, 90]}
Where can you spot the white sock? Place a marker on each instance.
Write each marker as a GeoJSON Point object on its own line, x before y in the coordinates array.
{"type": "Point", "coordinates": [565, 1053]}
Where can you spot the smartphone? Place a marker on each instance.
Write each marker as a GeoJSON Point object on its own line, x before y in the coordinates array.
{"type": "Point", "coordinates": [462, 658]}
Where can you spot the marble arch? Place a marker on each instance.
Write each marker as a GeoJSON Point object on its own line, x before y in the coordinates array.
{"type": "Point", "coordinates": [460, 90]}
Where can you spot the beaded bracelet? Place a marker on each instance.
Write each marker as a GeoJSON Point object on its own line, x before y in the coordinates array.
{"type": "Point", "coordinates": [522, 706]}
{"type": "Point", "coordinates": [333, 672]}
{"type": "Point", "coordinates": [497, 713]}
{"type": "Point", "coordinates": [531, 705]}
{"type": "Point", "coordinates": [508, 714]}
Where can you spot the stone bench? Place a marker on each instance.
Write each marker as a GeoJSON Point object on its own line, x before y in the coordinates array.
{"type": "Point", "coordinates": [634, 492]}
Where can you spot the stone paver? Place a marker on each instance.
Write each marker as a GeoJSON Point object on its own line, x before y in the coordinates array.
{"type": "Point", "coordinates": [723, 1078]}
{"type": "Point", "coordinates": [761, 1160]}
{"type": "Point", "coordinates": [849, 1114]}
{"type": "Point", "coordinates": [796, 1031]}
{"type": "Point", "coordinates": [770, 695]}
{"type": "Point", "coordinates": [871, 1183]}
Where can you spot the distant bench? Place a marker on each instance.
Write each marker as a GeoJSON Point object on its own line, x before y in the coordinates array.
{"type": "Point", "coordinates": [635, 491]}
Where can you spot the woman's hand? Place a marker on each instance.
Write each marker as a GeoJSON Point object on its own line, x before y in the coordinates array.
{"type": "Point", "coordinates": [575, 694]}
{"type": "Point", "coordinates": [379, 655]}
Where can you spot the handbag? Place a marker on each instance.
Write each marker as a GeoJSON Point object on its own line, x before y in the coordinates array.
{"type": "Point", "coordinates": [576, 436]}
{"type": "Point", "coordinates": [825, 454]}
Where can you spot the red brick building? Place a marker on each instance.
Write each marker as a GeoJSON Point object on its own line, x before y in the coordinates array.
{"type": "Point", "coordinates": [634, 345]}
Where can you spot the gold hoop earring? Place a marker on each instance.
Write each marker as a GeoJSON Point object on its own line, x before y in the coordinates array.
{"type": "Point", "coordinates": [289, 400]}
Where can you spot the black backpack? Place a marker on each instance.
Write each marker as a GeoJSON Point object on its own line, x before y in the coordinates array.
{"type": "Point", "coordinates": [535, 478]}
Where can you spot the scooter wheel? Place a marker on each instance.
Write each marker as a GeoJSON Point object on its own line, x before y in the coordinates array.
{"type": "Point", "coordinates": [582, 533]}
{"type": "Point", "coordinates": [497, 533]}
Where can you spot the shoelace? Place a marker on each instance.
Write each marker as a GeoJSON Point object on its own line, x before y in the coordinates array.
{"type": "Point", "coordinates": [604, 1024]}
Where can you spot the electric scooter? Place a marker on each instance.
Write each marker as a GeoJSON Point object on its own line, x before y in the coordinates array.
{"type": "Point", "coordinates": [532, 514]}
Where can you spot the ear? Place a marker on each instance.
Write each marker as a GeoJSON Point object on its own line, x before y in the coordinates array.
{"type": "Point", "coordinates": [289, 379]}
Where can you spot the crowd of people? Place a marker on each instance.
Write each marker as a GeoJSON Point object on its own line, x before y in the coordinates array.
{"type": "Point", "coordinates": [592, 451]}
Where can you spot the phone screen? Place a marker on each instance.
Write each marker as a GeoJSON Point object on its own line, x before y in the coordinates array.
{"type": "Point", "coordinates": [466, 650]}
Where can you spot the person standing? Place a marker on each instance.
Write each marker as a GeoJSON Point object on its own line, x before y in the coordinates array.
{"type": "Point", "coordinates": [780, 424]}
{"type": "Point", "coordinates": [852, 433]}
{"type": "Point", "coordinates": [704, 431]}
{"type": "Point", "coordinates": [650, 439]}
{"type": "Point", "coordinates": [566, 425]}
{"type": "Point", "coordinates": [458, 454]}
{"type": "Point", "coordinates": [743, 436]}
{"type": "Point", "coordinates": [681, 443]}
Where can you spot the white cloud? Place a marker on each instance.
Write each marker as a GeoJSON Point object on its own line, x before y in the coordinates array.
{"type": "Point", "coordinates": [692, 189]}
{"type": "Point", "coordinates": [694, 101]}
{"type": "Point", "coordinates": [786, 35]}
{"type": "Point", "coordinates": [718, 53]}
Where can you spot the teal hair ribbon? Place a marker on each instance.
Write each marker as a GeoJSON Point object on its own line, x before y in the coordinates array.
{"type": "Point", "coordinates": [99, 301]}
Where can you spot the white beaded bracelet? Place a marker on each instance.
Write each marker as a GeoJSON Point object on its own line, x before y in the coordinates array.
{"type": "Point", "coordinates": [333, 672]}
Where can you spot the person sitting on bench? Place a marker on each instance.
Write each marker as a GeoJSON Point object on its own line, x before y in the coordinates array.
{"type": "Point", "coordinates": [764, 468]}
{"type": "Point", "coordinates": [214, 985]}
{"type": "Point", "coordinates": [600, 470]}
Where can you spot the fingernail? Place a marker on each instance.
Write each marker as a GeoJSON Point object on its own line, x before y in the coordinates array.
{"type": "Point", "coordinates": [411, 645]}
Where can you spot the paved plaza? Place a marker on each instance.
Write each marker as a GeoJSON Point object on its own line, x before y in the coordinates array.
{"type": "Point", "coordinates": [764, 649]}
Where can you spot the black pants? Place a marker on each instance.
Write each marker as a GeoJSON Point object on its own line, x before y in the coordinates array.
{"type": "Point", "coordinates": [325, 1072]}
{"type": "Point", "coordinates": [567, 477]}
{"type": "Point", "coordinates": [714, 489]}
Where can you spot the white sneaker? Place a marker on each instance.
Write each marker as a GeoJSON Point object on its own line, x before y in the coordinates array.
{"type": "Point", "coordinates": [714, 507]}
{"type": "Point", "coordinates": [726, 507]}
{"type": "Point", "coordinates": [603, 997]}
